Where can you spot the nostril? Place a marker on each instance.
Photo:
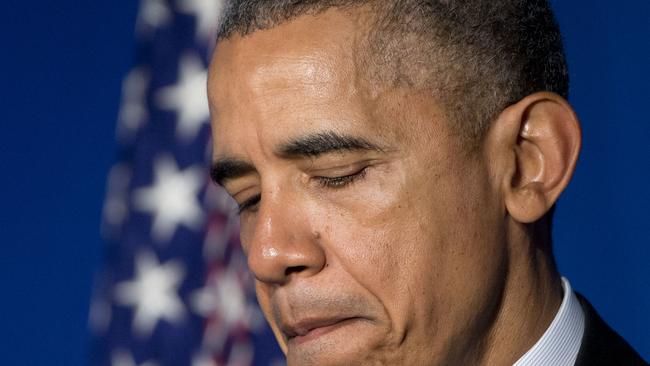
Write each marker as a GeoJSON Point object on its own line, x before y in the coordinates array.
{"type": "Point", "coordinates": [294, 269]}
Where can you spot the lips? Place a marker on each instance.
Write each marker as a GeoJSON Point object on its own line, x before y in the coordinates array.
{"type": "Point", "coordinates": [308, 329]}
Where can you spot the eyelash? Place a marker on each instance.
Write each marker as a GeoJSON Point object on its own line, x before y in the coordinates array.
{"type": "Point", "coordinates": [325, 182]}
{"type": "Point", "coordinates": [248, 203]}
{"type": "Point", "coordinates": [340, 182]}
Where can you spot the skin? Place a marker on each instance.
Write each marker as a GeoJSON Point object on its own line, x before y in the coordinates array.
{"type": "Point", "coordinates": [427, 254]}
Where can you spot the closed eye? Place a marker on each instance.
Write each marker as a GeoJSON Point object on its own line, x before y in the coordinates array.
{"type": "Point", "coordinates": [337, 182]}
{"type": "Point", "coordinates": [248, 204]}
{"type": "Point", "coordinates": [341, 181]}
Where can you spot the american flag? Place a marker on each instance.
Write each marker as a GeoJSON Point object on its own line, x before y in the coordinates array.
{"type": "Point", "coordinates": [174, 288]}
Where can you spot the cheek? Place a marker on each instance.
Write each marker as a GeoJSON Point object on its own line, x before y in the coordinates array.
{"type": "Point", "coordinates": [361, 223]}
{"type": "Point", "coordinates": [426, 249]}
{"type": "Point", "coordinates": [461, 259]}
{"type": "Point", "coordinates": [371, 233]}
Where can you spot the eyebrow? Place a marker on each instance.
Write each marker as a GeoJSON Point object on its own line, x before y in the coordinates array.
{"type": "Point", "coordinates": [225, 169]}
{"type": "Point", "coordinates": [322, 143]}
{"type": "Point", "coordinates": [313, 145]}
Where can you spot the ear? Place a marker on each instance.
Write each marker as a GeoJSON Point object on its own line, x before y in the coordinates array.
{"type": "Point", "coordinates": [535, 144]}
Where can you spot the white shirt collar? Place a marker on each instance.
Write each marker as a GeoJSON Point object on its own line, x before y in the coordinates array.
{"type": "Point", "coordinates": [560, 343]}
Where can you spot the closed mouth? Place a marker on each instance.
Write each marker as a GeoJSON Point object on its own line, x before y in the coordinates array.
{"type": "Point", "coordinates": [307, 330]}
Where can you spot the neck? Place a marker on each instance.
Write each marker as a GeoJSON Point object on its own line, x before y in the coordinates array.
{"type": "Point", "coordinates": [531, 298]}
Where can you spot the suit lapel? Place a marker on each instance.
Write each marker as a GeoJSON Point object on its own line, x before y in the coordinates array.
{"type": "Point", "coordinates": [601, 346]}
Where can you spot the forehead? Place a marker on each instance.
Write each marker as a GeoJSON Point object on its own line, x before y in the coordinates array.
{"type": "Point", "coordinates": [300, 77]}
{"type": "Point", "coordinates": [300, 52]}
{"type": "Point", "coordinates": [295, 71]}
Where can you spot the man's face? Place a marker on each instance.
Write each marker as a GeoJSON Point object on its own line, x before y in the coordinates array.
{"type": "Point", "coordinates": [373, 235]}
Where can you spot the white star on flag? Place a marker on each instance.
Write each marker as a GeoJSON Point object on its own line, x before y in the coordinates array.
{"type": "Point", "coordinates": [153, 292]}
{"type": "Point", "coordinates": [188, 97]}
{"type": "Point", "coordinates": [207, 14]}
{"type": "Point", "coordinates": [153, 14]}
{"type": "Point", "coordinates": [223, 300]}
{"type": "Point", "coordinates": [172, 199]}
{"type": "Point", "coordinates": [225, 296]}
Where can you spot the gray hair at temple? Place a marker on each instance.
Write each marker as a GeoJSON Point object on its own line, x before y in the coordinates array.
{"type": "Point", "coordinates": [475, 56]}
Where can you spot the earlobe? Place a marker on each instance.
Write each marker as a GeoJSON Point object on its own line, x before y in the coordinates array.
{"type": "Point", "coordinates": [543, 137]}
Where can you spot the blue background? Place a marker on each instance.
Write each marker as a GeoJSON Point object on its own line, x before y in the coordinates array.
{"type": "Point", "coordinates": [61, 67]}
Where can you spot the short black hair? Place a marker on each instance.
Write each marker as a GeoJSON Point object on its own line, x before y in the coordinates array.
{"type": "Point", "coordinates": [476, 56]}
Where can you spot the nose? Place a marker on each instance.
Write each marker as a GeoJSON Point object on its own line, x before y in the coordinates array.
{"type": "Point", "coordinates": [283, 243]}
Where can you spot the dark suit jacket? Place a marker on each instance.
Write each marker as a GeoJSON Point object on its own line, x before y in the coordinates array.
{"type": "Point", "coordinates": [601, 346]}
